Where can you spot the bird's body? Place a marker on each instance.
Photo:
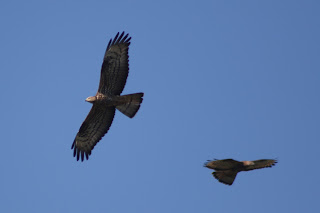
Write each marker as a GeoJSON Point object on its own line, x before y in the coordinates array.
{"type": "Point", "coordinates": [227, 170]}
{"type": "Point", "coordinates": [114, 73]}
{"type": "Point", "coordinates": [108, 100]}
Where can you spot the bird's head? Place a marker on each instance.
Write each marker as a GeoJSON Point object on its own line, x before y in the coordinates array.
{"type": "Point", "coordinates": [248, 163]}
{"type": "Point", "coordinates": [91, 99]}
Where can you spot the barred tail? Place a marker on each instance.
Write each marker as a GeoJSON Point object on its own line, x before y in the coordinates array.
{"type": "Point", "coordinates": [132, 104]}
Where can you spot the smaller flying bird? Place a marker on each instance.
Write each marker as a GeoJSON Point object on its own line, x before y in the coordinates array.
{"type": "Point", "coordinates": [227, 170]}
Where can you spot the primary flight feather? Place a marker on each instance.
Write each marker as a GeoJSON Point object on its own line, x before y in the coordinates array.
{"type": "Point", "coordinates": [114, 73]}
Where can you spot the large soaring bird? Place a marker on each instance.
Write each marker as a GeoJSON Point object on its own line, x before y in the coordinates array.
{"type": "Point", "coordinates": [227, 170]}
{"type": "Point", "coordinates": [114, 73]}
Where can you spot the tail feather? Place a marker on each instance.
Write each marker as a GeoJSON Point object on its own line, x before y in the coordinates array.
{"type": "Point", "coordinates": [226, 177]}
{"type": "Point", "coordinates": [132, 104]}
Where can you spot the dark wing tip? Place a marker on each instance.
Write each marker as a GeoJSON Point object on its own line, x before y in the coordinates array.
{"type": "Point", "coordinates": [74, 142]}
{"type": "Point", "coordinates": [119, 39]}
{"type": "Point", "coordinates": [271, 163]}
{"type": "Point", "coordinates": [206, 163]}
{"type": "Point", "coordinates": [209, 161]}
{"type": "Point", "coordinates": [115, 38]}
{"type": "Point", "coordinates": [109, 44]}
{"type": "Point", "coordinates": [125, 37]}
{"type": "Point", "coordinates": [74, 152]}
{"type": "Point", "coordinates": [79, 154]}
{"type": "Point", "coordinates": [275, 161]}
{"type": "Point", "coordinates": [82, 155]}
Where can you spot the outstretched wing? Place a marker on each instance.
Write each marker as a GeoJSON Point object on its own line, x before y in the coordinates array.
{"type": "Point", "coordinates": [226, 177]}
{"type": "Point", "coordinates": [259, 164]}
{"type": "Point", "coordinates": [94, 127]}
{"type": "Point", "coordinates": [222, 164]}
{"type": "Point", "coordinates": [115, 66]}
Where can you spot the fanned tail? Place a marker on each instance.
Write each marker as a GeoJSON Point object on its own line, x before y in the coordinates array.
{"type": "Point", "coordinates": [226, 177]}
{"type": "Point", "coordinates": [132, 104]}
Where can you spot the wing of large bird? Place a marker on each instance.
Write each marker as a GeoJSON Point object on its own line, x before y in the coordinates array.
{"type": "Point", "coordinates": [259, 164]}
{"type": "Point", "coordinates": [115, 66]}
{"type": "Point", "coordinates": [222, 164]}
{"type": "Point", "coordinates": [94, 127]}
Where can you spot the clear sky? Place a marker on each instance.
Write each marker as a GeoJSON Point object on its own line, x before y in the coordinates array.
{"type": "Point", "coordinates": [222, 79]}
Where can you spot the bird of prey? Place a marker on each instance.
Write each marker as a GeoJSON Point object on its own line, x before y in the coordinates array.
{"type": "Point", "coordinates": [227, 170]}
{"type": "Point", "coordinates": [114, 73]}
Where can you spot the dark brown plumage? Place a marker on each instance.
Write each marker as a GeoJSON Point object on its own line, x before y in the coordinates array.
{"type": "Point", "coordinates": [114, 73]}
{"type": "Point", "coordinates": [227, 170]}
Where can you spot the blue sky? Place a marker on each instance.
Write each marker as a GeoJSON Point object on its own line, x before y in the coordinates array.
{"type": "Point", "coordinates": [222, 79]}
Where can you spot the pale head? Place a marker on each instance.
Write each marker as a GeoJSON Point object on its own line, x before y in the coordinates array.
{"type": "Point", "coordinates": [91, 99]}
{"type": "Point", "coordinates": [248, 163]}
